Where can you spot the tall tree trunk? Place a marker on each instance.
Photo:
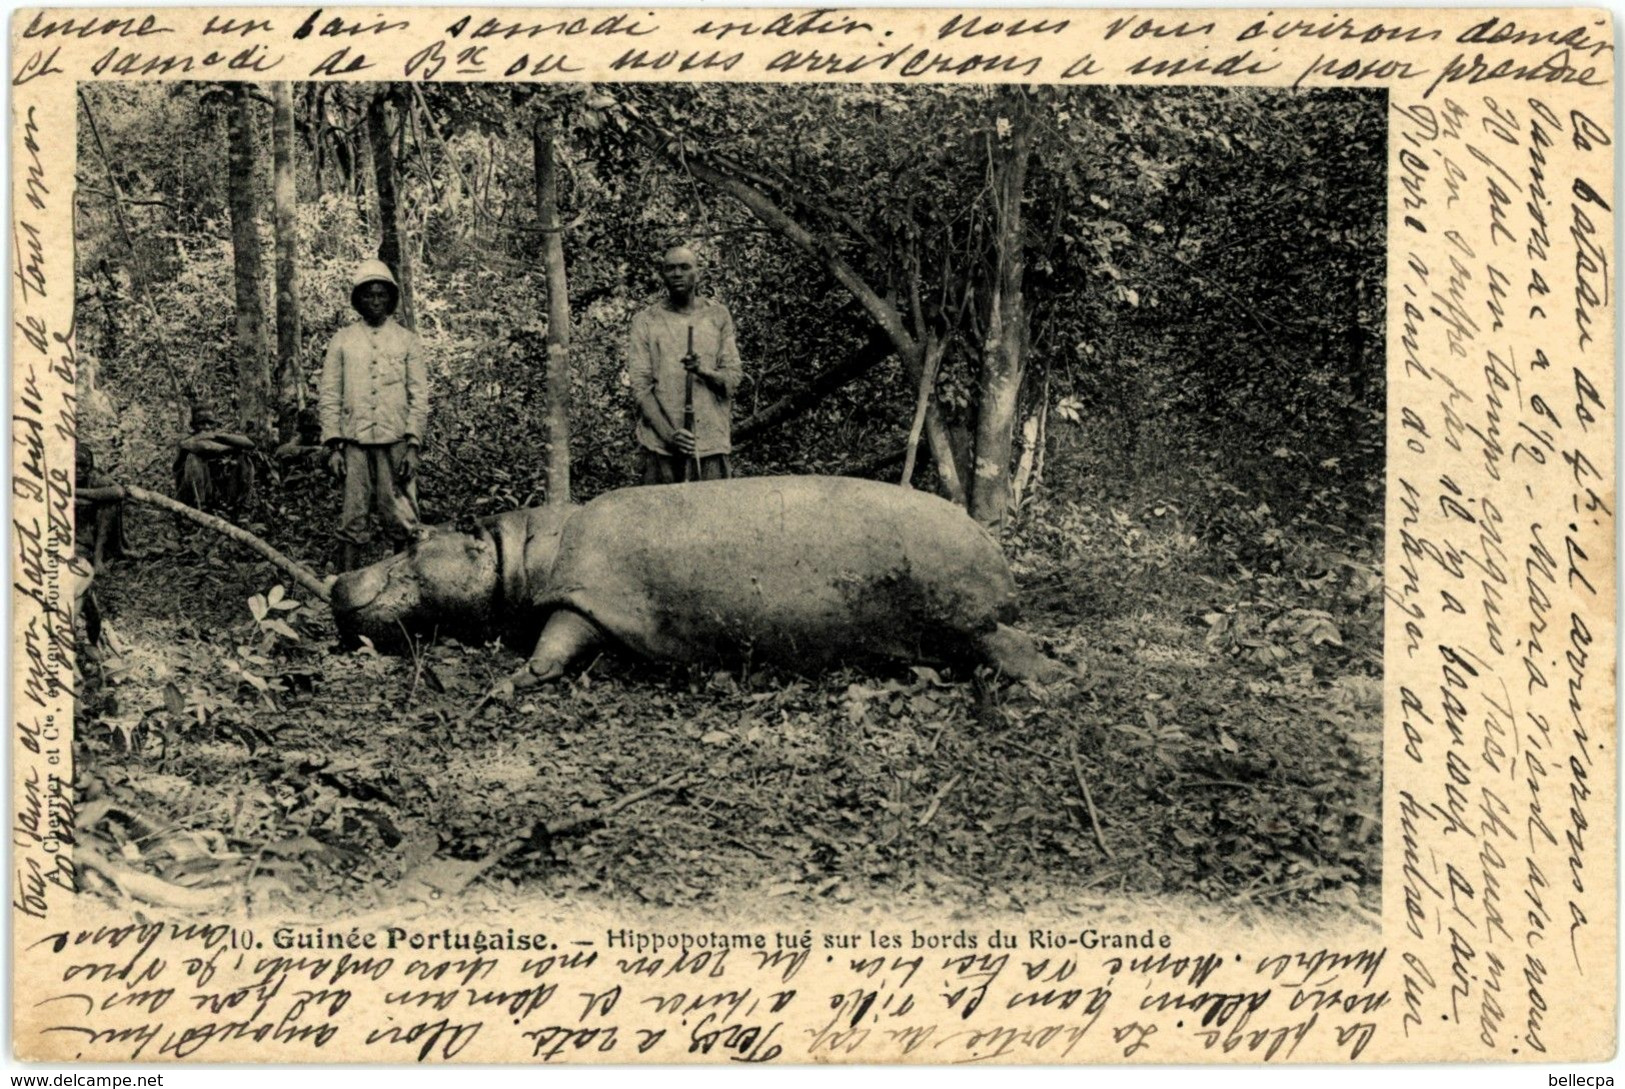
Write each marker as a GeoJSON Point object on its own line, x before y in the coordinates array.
{"type": "Point", "coordinates": [318, 131]}
{"type": "Point", "coordinates": [363, 174]}
{"type": "Point", "coordinates": [1030, 464]}
{"type": "Point", "coordinates": [1004, 350]}
{"type": "Point", "coordinates": [383, 122]}
{"type": "Point", "coordinates": [290, 369]}
{"type": "Point", "coordinates": [253, 349]}
{"type": "Point", "coordinates": [543, 145]}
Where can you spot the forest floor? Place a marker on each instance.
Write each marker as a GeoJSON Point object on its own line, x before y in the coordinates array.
{"type": "Point", "coordinates": [1226, 732]}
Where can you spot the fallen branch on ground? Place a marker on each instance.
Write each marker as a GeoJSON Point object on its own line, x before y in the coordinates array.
{"type": "Point", "coordinates": [301, 574]}
{"type": "Point", "coordinates": [1077, 774]}
{"type": "Point", "coordinates": [936, 802]}
{"type": "Point", "coordinates": [1088, 799]}
{"type": "Point", "coordinates": [596, 814]}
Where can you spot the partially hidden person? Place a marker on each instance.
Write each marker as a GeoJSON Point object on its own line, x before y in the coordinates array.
{"type": "Point", "coordinates": [215, 469]}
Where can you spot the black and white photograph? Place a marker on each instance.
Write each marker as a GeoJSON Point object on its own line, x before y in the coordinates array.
{"type": "Point", "coordinates": [748, 501]}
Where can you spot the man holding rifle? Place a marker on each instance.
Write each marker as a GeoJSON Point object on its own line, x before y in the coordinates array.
{"type": "Point", "coordinates": [684, 367]}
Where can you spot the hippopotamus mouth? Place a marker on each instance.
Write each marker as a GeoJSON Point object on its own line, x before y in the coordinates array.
{"type": "Point", "coordinates": [377, 602]}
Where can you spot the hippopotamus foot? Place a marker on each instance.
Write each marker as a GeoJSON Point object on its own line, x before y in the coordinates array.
{"type": "Point", "coordinates": [564, 637]}
{"type": "Point", "coordinates": [1015, 654]}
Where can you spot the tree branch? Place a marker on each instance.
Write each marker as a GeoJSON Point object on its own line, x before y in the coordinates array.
{"type": "Point", "coordinates": [933, 358]}
{"type": "Point", "coordinates": [86, 187]}
{"type": "Point", "coordinates": [872, 466]}
{"type": "Point", "coordinates": [785, 189]}
{"type": "Point", "coordinates": [927, 390]}
{"type": "Point", "coordinates": [667, 146]}
{"type": "Point", "coordinates": [872, 354]}
{"type": "Point", "coordinates": [1088, 798]}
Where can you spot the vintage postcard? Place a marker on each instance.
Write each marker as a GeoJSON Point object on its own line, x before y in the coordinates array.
{"type": "Point", "coordinates": [807, 535]}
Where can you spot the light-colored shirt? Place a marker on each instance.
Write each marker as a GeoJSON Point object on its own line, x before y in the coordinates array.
{"type": "Point", "coordinates": [375, 388]}
{"type": "Point", "coordinates": [654, 358]}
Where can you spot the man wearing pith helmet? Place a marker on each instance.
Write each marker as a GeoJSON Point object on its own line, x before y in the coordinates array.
{"type": "Point", "coordinates": [374, 403]}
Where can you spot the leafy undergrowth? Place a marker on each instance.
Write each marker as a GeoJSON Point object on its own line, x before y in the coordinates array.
{"type": "Point", "coordinates": [1225, 732]}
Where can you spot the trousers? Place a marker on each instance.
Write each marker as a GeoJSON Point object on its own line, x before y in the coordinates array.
{"type": "Point", "coordinates": [373, 494]}
{"type": "Point", "coordinates": [656, 468]}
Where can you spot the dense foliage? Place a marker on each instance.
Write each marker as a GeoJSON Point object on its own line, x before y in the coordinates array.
{"type": "Point", "coordinates": [1195, 476]}
{"type": "Point", "coordinates": [1204, 267]}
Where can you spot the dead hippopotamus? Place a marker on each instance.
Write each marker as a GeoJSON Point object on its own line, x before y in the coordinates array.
{"type": "Point", "coordinates": [802, 571]}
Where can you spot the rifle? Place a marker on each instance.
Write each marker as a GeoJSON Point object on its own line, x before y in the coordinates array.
{"type": "Point", "coordinates": [691, 464]}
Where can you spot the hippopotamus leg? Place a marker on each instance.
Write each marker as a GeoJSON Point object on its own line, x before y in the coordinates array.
{"type": "Point", "coordinates": [1015, 654]}
{"type": "Point", "coordinates": [565, 635]}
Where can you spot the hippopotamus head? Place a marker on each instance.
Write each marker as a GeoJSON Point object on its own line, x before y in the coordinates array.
{"type": "Point", "coordinates": [472, 587]}
{"type": "Point", "coordinates": [444, 581]}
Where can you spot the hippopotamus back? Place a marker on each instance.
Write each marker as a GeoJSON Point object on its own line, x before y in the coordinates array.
{"type": "Point", "coordinates": [795, 569]}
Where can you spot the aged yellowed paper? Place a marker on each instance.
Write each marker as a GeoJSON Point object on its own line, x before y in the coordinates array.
{"type": "Point", "coordinates": [1488, 932]}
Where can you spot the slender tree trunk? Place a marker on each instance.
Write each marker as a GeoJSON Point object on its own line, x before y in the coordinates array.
{"type": "Point", "coordinates": [1023, 474]}
{"type": "Point", "coordinates": [1004, 351]}
{"type": "Point", "coordinates": [116, 190]}
{"type": "Point", "coordinates": [318, 129]}
{"type": "Point", "coordinates": [924, 397]}
{"type": "Point", "coordinates": [252, 347]}
{"type": "Point", "coordinates": [364, 174]}
{"type": "Point", "coordinates": [543, 146]}
{"type": "Point", "coordinates": [383, 121]}
{"type": "Point", "coordinates": [290, 370]}
{"type": "Point", "coordinates": [1030, 465]}
{"type": "Point", "coordinates": [1043, 436]}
